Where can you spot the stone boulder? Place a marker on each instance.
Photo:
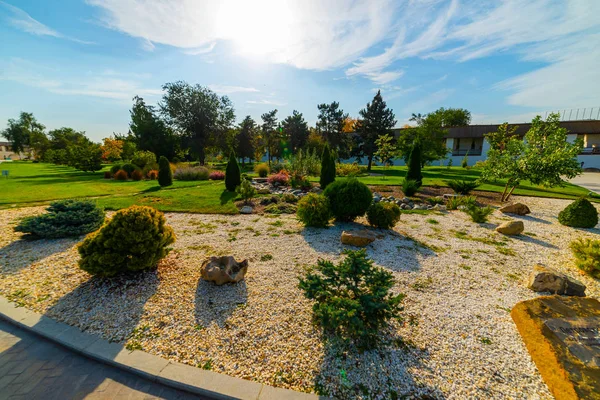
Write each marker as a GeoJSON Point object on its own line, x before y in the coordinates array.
{"type": "Point", "coordinates": [246, 210]}
{"type": "Point", "coordinates": [511, 228]}
{"type": "Point", "coordinates": [515, 208]}
{"type": "Point", "coordinates": [359, 238]}
{"type": "Point", "coordinates": [221, 270]}
{"type": "Point", "coordinates": [545, 279]}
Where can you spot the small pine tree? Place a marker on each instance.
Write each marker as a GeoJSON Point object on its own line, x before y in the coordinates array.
{"type": "Point", "coordinates": [233, 175]}
{"type": "Point", "coordinates": [327, 168]}
{"type": "Point", "coordinates": [165, 175]}
{"type": "Point", "coordinates": [414, 164]}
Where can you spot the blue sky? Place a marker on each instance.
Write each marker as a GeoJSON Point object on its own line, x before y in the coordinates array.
{"type": "Point", "coordinates": [78, 63]}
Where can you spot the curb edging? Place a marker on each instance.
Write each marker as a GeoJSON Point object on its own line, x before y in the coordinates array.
{"type": "Point", "coordinates": [173, 374]}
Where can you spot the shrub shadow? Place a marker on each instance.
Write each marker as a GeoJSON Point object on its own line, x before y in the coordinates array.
{"type": "Point", "coordinates": [151, 189]}
{"type": "Point", "coordinates": [227, 196]}
{"type": "Point", "coordinates": [530, 218]}
{"type": "Point", "coordinates": [533, 240]}
{"type": "Point", "coordinates": [215, 304]}
{"type": "Point", "coordinates": [21, 253]}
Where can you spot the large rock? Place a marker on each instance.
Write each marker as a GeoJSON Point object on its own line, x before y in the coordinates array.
{"type": "Point", "coordinates": [544, 279]}
{"type": "Point", "coordinates": [515, 208]}
{"type": "Point", "coordinates": [511, 228]}
{"type": "Point", "coordinates": [562, 335]}
{"type": "Point", "coordinates": [221, 270]}
{"type": "Point", "coordinates": [359, 238]}
{"type": "Point", "coordinates": [246, 210]}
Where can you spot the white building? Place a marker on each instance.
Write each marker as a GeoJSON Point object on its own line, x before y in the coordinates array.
{"type": "Point", "coordinates": [6, 152]}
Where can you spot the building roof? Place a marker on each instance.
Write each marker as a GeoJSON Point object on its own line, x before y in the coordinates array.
{"type": "Point", "coordinates": [477, 131]}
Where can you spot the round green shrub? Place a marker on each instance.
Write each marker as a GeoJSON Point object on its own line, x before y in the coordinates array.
{"type": "Point", "coordinates": [348, 198]}
{"type": "Point", "coordinates": [64, 218]}
{"type": "Point", "coordinates": [115, 168]}
{"type": "Point", "coordinates": [313, 210]}
{"type": "Point", "coordinates": [579, 214]}
{"type": "Point", "coordinates": [262, 169]}
{"type": "Point", "coordinates": [134, 240]}
{"type": "Point", "coordinates": [129, 168]}
{"type": "Point", "coordinates": [383, 215]}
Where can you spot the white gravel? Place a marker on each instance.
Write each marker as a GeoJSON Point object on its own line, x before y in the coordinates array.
{"type": "Point", "coordinates": [458, 340]}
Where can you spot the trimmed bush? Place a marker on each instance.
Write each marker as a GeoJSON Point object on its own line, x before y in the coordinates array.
{"type": "Point", "coordinates": [134, 240]}
{"type": "Point", "coordinates": [115, 168]}
{"type": "Point", "coordinates": [216, 176]}
{"type": "Point", "coordinates": [414, 165]}
{"type": "Point", "coordinates": [410, 187]}
{"type": "Point", "coordinates": [281, 178]}
{"type": "Point", "coordinates": [246, 191]}
{"type": "Point", "coordinates": [129, 168]}
{"type": "Point", "coordinates": [383, 215]}
{"type": "Point", "coordinates": [348, 198]}
{"type": "Point", "coordinates": [348, 169]}
{"type": "Point", "coordinates": [579, 214]}
{"type": "Point", "coordinates": [137, 175]}
{"type": "Point", "coordinates": [289, 198]}
{"type": "Point", "coordinates": [233, 175]}
{"type": "Point", "coordinates": [262, 169]}
{"type": "Point", "coordinates": [64, 218]}
{"type": "Point", "coordinates": [352, 299]}
{"type": "Point", "coordinates": [587, 256]}
{"type": "Point", "coordinates": [107, 175]}
{"type": "Point", "coordinates": [327, 168]}
{"type": "Point", "coordinates": [152, 174]}
{"type": "Point", "coordinates": [121, 175]}
{"type": "Point", "coordinates": [313, 210]}
{"type": "Point", "coordinates": [462, 187]}
{"type": "Point", "coordinates": [283, 208]}
{"type": "Point", "coordinates": [479, 214]}
{"type": "Point", "coordinates": [141, 158]}
{"type": "Point", "coordinates": [165, 173]}
{"type": "Point", "coordinates": [191, 174]}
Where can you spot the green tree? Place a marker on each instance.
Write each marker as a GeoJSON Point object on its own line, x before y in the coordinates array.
{"type": "Point", "coordinates": [430, 133]}
{"type": "Point", "coordinates": [198, 112]}
{"type": "Point", "coordinates": [297, 129]}
{"type": "Point", "coordinates": [21, 132]}
{"type": "Point", "coordinates": [269, 133]}
{"type": "Point", "coordinates": [330, 125]}
{"type": "Point", "coordinates": [245, 139]}
{"type": "Point", "coordinates": [376, 120]}
{"type": "Point", "coordinates": [165, 175]}
{"type": "Point", "coordinates": [414, 164]}
{"type": "Point", "coordinates": [233, 174]}
{"type": "Point", "coordinates": [149, 132]}
{"type": "Point", "coordinates": [386, 150]}
{"type": "Point", "coordinates": [86, 157]}
{"type": "Point", "coordinates": [327, 168]}
{"type": "Point", "coordinates": [453, 116]}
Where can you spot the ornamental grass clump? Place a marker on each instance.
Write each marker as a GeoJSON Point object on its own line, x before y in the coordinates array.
{"type": "Point", "coordinates": [134, 240]}
{"type": "Point", "coordinates": [383, 215]}
{"type": "Point", "coordinates": [352, 299]}
{"type": "Point", "coordinates": [64, 218]}
{"type": "Point", "coordinates": [313, 210]}
{"type": "Point", "coordinates": [191, 174]}
{"type": "Point", "coordinates": [587, 256]}
{"type": "Point", "coordinates": [262, 169]}
{"type": "Point", "coordinates": [479, 214]}
{"type": "Point", "coordinates": [579, 214]}
{"type": "Point", "coordinates": [348, 198]}
{"type": "Point", "coordinates": [462, 187]}
{"type": "Point", "coordinates": [410, 187]}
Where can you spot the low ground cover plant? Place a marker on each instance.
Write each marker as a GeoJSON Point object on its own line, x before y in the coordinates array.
{"type": "Point", "coordinates": [579, 214]}
{"type": "Point", "coordinates": [462, 187]}
{"type": "Point", "coordinates": [383, 215]}
{"type": "Point", "coordinates": [216, 176]}
{"type": "Point", "coordinates": [313, 210]}
{"type": "Point", "coordinates": [587, 256]}
{"type": "Point", "coordinates": [352, 299]}
{"type": "Point", "coordinates": [348, 199]}
{"type": "Point", "coordinates": [191, 174]}
{"type": "Point", "coordinates": [280, 178]}
{"type": "Point", "coordinates": [64, 218]}
{"type": "Point", "coordinates": [134, 240]}
{"type": "Point", "coordinates": [455, 202]}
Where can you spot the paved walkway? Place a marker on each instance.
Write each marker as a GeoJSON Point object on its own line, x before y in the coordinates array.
{"type": "Point", "coordinates": [34, 368]}
{"type": "Point", "coordinates": [588, 180]}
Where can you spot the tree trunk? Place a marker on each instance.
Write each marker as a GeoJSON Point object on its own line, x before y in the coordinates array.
{"type": "Point", "coordinates": [202, 156]}
{"type": "Point", "coordinates": [504, 193]}
{"type": "Point", "coordinates": [511, 192]}
{"type": "Point", "coordinates": [370, 163]}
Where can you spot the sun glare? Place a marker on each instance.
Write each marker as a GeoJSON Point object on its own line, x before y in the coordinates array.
{"type": "Point", "coordinates": [256, 27]}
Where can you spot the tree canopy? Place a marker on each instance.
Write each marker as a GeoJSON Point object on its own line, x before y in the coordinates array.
{"type": "Point", "coordinates": [150, 132]}
{"type": "Point", "coordinates": [330, 125]}
{"type": "Point", "coordinates": [24, 132]}
{"type": "Point", "coordinates": [269, 133]}
{"type": "Point", "coordinates": [296, 128]}
{"type": "Point", "coordinates": [245, 139]}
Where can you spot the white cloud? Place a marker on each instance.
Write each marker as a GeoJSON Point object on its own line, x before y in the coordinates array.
{"type": "Point", "coordinates": [224, 89]}
{"type": "Point", "coordinates": [266, 102]}
{"type": "Point", "coordinates": [429, 102]}
{"type": "Point", "coordinates": [23, 21]}
{"type": "Point", "coordinates": [201, 50]}
{"type": "Point", "coordinates": [93, 85]}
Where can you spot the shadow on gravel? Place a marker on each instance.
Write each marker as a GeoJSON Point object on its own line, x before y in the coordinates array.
{"type": "Point", "coordinates": [24, 252]}
{"type": "Point", "coordinates": [215, 304]}
{"type": "Point", "coordinates": [533, 219]}
{"type": "Point", "coordinates": [533, 240]}
{"type": "Point", "coordinates": [390, 250]}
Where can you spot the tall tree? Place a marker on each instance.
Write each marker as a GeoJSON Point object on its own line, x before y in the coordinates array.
{"type": "Point", "coordinates": [430, 133]}
{"type": "Point", "coordinates": [150, 132]}
{"type": "Point", "coordinates": [245, 139]}
{"type": "Point", "coordinates": [19, 132]}
{"type": "Point", "coordinates": [269, 132]}
{"type": "Point", "coordinates": [375, 120]}
{"type": "Point", "coordinates": [386, 151]}
{"type": "Point", "coordinates": [453, 116]}
{"type": "Point", "coordinates": [198, 113]}
{"type": "Point", "coordinates": [297, 129]}
{"type": "Point", "coordinates": [330, 124]}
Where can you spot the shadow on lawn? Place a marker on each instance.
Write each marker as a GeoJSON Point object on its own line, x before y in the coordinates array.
{"type": "Point", "coordinates": [216, 303]}
{"type": "Point", "coordinates": [24, 252]}
{"type": "Point", "coordinates": [227, 196]}
{"type": "Point", "coordinates": [390, 250]}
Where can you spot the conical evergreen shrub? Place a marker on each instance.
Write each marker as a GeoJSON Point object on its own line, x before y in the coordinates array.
{"type": "Point", "coordinates": [327, 168]}
{"type": "Point", "coordinates": [233, 174]}
{"type": "Point", "coordinates": [414, 165]}
{"type": "Point", "coordinates": [579, 214]}
{"type": "Point", "coordinates": [165, 175]}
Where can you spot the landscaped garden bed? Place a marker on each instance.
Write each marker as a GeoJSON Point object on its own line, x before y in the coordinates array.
{"type": "Point", "coordinates": [460, 279]}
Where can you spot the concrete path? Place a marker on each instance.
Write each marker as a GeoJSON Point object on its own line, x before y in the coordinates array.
{"type": "Point", "coordinates": [588, 180]}
{"type": "Point", "coordinates": [33, 368]}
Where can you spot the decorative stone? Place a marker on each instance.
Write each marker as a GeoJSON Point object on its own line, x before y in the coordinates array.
{"type": "Point", "coordinates": [263, 191]}
{"type": "Point", "coordinates": [359, 238]}
{"type": "Point", "coordinates": [406, 200]}
{"type": "Point", "coordinates": [515, 208]}
{"type": "Point", "coordinates": [450, 195]}
{"type": "Point", "coordinates": [225, 269]}
{"type": "Point", "coordinates": [544, 279]}
{"type": "Point", "coordinates": [562, 335]}
{"type": "Point", "coordinates": [246, 210]}
{"type": "Point", "coordinates": [511, 228]}
{"type": "Point", "coordinates": [405, 206]}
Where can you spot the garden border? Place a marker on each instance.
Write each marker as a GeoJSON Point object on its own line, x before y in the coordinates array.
{"type": "Point", "coordinates": [176, 375]}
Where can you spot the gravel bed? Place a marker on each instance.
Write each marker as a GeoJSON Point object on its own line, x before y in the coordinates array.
{"type": "Point", "coordinates": [457, 341]}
